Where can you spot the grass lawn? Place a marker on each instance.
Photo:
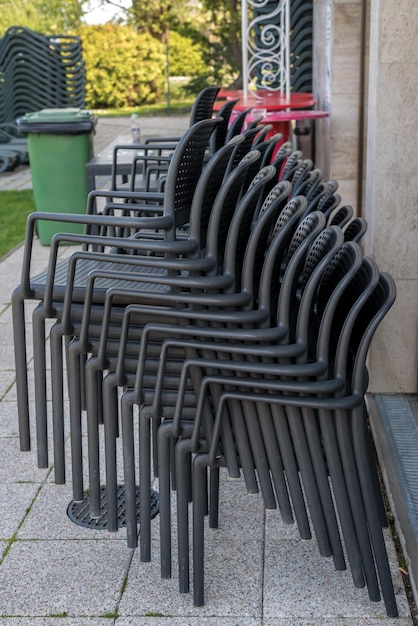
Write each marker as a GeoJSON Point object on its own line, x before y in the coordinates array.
{"type": "Point", "coordinates": [15, 207]}
{"type": "Point", "coordinates": [154, 110]}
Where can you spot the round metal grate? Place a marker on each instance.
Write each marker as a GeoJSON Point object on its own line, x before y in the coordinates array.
{"type": "Point", "coordinates": [79, 512]}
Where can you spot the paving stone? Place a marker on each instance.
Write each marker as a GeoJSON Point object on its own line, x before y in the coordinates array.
{"type": "Point", "coordinates": [76, 578]}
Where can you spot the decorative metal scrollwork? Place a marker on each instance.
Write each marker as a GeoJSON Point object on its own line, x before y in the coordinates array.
{"type": "Point", "coordinates": [266, 47]}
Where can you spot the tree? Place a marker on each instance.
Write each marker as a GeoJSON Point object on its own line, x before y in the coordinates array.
{"type": "Point", "coordinates": [123, 68]}
{"type": "Point", "coordinates": [48, 17]}
{"type": "Point", "coordinates": [225, 38]}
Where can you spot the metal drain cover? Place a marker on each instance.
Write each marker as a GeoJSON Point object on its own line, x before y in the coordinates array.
{"type": "Point", "coordinates": [79, 512]}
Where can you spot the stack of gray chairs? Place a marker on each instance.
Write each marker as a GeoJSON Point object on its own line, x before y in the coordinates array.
{"type": "Point", "coordinates": [171, 211]}
{"type": "Point", "coordinates": [242, 340]}
{"type": "Point", "coordinates": [36, 72]}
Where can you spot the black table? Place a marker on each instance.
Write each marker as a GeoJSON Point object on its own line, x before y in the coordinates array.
{"type": "Point", "coordinates": [101, 163]}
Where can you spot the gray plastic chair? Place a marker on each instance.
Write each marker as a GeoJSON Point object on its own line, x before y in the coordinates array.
{"type": "Point", "coordinates": [185, 166]}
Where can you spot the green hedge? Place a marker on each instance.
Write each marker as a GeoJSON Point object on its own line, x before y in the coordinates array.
{"type": "Point", "coordinates": [123, 68]}
{"type": "Point", "coordinates": [127, 69]}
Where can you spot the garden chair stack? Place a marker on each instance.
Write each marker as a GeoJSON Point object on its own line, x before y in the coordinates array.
{"type": "Point", "coordinates": [39, 71]}
{"type": "Point", "coordinates": [235, 310]}
{"type": "Point", "coordinates": [327, 406]}
{"type": "Point", "coordinates": [36, 72]}
{"type": "Point", "coordinates": [186, 167]}
{"type": "Point", "coordinates": [177, 201]}
{"type": "Point", "coordinates": [185, 274]}
{"type": "Point", "coordinates": [214, 250]}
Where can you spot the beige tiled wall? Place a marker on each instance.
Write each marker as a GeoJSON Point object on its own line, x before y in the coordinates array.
{"type": "Point", "coordinates": [392, 187]}
{"type": "Point", "coordinates": [389, 198]}
{"type": "Point", "coordinates": [341, 136]}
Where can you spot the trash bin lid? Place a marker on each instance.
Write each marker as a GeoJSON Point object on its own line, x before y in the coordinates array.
{"type": "Point", "coordinates": [71, 121]}
{"type": "Point", "coordinates": [57, 115]}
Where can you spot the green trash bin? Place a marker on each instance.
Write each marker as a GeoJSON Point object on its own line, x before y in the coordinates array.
{"type": "Point", "coordinates": [60, 143]}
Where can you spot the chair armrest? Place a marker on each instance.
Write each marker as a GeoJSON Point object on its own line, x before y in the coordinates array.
{"type": "Point", "coordinates": [136, 196]}
{"type": "Point", "coordinates": [163, 222]}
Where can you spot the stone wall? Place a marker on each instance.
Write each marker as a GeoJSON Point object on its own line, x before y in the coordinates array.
{"type": "Point", "coordinates": [369, 144]}
{"type": "Point", "coordinates": [392, 187]}
{"type": "Point", "coordinates": [337, 86]}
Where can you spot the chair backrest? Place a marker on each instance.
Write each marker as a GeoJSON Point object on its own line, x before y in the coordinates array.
{"type": "Point", "coordinates": [373, 312]}
{"type": "Point", "coordinates": [293, 161]}
{"type": "Point", "coordinates": [319, 193]}
{"type": "Point", "coordinates": [242, 149]}
{"type": "Point", "coordinates": [349, 307]}
{"type": "Point", "coordinates": [310, 182]}
{"type": "Point", "coordinates": [318, 310]}
{"type": "Point", "coordinates": [241, 225]}
{"type": "Point", "coordinates": [355, 229]}
{"type": "Point", "coordinates": [202, 108]}
{"type": "Point", "coordinates": [237, 123]}
{"type": "Point", "coordinates": [368, 298]}
{"type": "Point", "coordinates": [206, 191]}
{"type": "Point", "coordinates": [282, 271]}
{"type": "Point", "coordinates": [224, 208]}
{"type": "Point", "coordinates": [267, 148]}
{"type": "Point", "coordinates": [300, 175]}
{"type": "Point", "coordinates": [341, 216]}
{"type": "Point", "coordinates": [218, 138]}
{"type": "Point", "coordinates": [263, 132]}
{"type": "Point", "coordinates": [328, 203]}
{"type": "Point", "coordinates": [277, 215]}
{"type": "Point", "coordinates": [281, 156]}
{"type": "Point", "coordinates": [310, 270]}
{"type": "Point", "coordinates": [184, 172]}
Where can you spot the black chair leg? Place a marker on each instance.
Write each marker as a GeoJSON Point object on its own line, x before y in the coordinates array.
{"type": "Point", "coordinates": [145, 485]}
{"type": "Point", "coordinates": [199, 504]}
{"type": "Point", "coordinates": [57, 395]}
{"type": "Point", "coordinates": [19, 337]}
{"type": "Point", "coordinates": [73, 363]}
{"type": "Point", "coordinates": [109, 408]}
{"type": "Point", "coordinates": [39, 364]}
{"type": "Point", "coordinates": [128, 446]}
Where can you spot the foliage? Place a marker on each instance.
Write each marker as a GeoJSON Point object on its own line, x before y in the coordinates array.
{"type": "Point", "coordinates": [225, 28]}
{"type": "Point", "coordinates": [15, 207]}
{"type": "Point", "coordinates": [126, 63]}
{"type": "Point", "coordinates": [185, 56]}
{"type": "Point", "coordinates": [44, 16]}
{"type": "Point", "coordinates": [123, 67]}
{"type": "Point", "coordinates": [156, 17]}
{"type": "Point", "coordinates": [213, 25]}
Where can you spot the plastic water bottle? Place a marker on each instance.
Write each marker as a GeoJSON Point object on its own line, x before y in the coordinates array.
{"type": "Point", "coordinates": [135, 130]}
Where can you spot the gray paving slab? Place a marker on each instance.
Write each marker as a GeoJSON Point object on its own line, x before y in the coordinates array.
{"type": "Point", "coordinates": [75, 578]}
{"type": "Point", "coordinates": [339, 621]}
{"type": "Point", "coordinates": [17, 466]}
{"type": "Point", "coordinates": [305, 581]}
{"type": "Point", "coordinates": [15, 500]}
{"type": "Point", "coordinates": [233, 580]}
{"type": "Point", "coordinates": [56, 621]}
{"type": "Point", "coordinates": [6, 381]}
{"type": "Point", "coordinates": [186, 621]}
{"type": "Point", "coordinates": [56, 525]}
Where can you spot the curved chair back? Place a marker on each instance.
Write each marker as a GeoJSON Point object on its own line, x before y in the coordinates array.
{"type": "Point", "coordinates": [184, 171]}
{"type": "Point", "coordinates": [355, 229]}
{"type": "Point", "coordinates": [202, 108]}
{"type": "Point", "coordinates": [237, 123]}
{"type": "Point", "coordinates": [342, 216]}
{"type": "Point", "coordinates": [207, 189]}
{"type": "Point", "coordinates": [218, 138]}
